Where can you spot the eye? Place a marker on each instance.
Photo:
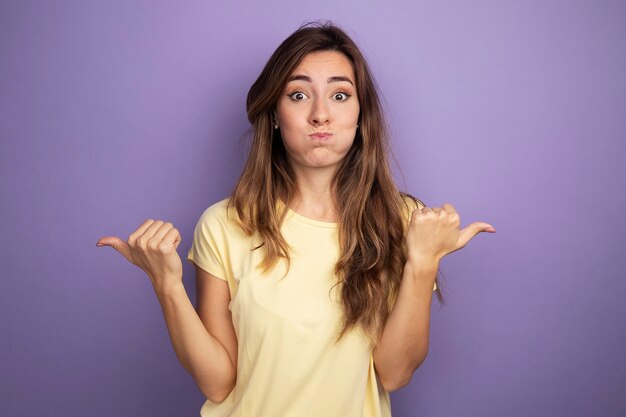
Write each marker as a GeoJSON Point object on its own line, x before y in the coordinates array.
{"type": "Point", "coordinates": [340, 96]}
{"type": "Point", "coordinates": [297, 96]}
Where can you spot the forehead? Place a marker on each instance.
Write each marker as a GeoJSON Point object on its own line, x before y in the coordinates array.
{"type": "Point", "coordinates": [325, 64]}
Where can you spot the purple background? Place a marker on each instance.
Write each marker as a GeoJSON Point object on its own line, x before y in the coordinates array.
{"type": "Point", "coordinates": [112, 112]}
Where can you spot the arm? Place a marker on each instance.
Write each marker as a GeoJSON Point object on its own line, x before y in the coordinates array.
{"type": "Point", "coordinates": [403, 346]}
{"type": "Point", "coordinates": [205, 349]}
{"type": "Point", "coordinates": [204, 341]}
{"type": "Point", "coordinates": [404, 342]}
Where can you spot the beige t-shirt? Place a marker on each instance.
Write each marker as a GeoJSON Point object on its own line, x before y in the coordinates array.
{"type": "Point", "coordinates": [289, 362]}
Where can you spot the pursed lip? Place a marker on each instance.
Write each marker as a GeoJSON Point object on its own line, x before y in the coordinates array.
{"type": "Point", "coordinates": [321, 135]}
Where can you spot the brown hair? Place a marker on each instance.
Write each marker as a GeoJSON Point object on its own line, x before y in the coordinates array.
{"type": "Point", "coordinates": [372, 212]}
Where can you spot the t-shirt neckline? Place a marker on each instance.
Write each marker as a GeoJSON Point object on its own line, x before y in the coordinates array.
{"type": "Point", "coordinates": [318, 223]}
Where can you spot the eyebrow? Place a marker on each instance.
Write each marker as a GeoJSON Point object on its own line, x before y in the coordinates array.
{"type": "Point", "coordinates": [335, 79]}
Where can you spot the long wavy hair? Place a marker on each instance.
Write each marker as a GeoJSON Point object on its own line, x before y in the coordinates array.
{"type": "Point", "coordinates": [372, 212]}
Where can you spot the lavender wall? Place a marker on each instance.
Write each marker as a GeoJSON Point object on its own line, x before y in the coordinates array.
{"type": "Point", "coordinates": [115, 111]}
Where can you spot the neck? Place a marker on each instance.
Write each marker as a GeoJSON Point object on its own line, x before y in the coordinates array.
{"type": "Point", "coordinates": [315, 198]}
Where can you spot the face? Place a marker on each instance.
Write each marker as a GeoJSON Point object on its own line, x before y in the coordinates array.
{"type": "Point", "coordinates": [318, 111]}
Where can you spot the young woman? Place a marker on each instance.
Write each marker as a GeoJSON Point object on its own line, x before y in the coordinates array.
{"type": "Point", "coordinates": [315, 278]}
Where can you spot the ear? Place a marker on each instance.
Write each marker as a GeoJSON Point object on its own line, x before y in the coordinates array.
{"type": "Point", "coordinates": [275, 120]}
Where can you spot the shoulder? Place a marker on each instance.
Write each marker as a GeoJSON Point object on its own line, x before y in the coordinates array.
{"type": "Point", "coordinates": [220, 218]}
{"type": "Point", "coordinates": [219, 213]}
{"type": "Point", "coordinates": [219, 228]}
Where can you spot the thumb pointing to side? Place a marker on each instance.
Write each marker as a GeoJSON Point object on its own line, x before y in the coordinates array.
{"type": "Point", "coordinates": [467, 233]}
{"type": "Point", "coordinates": [117, 244]}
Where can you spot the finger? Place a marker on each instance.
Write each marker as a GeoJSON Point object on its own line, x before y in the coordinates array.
{"type": "Point", "coordinates": [466, 234]}
{"type": "Point", "coordinates": [438, 210]}
{"type": "Point", "coordinates": [449, 208]}
{"type": "Point", "coordinates": [155, 241]}
{"type": "Point", "coordinates": [117, 244]}
{"type": "Point", "coordinates": [142, 241]}
{"type": "Point", "coordinates": [132, 239]}
{"type": "Point", "coordinates": [170, 240]}
{"type": "Point", "coordinates": [426, 210]}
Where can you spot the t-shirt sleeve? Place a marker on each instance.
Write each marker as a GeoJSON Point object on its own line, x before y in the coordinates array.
{"type": "Point", "coordinates": [210, 243]}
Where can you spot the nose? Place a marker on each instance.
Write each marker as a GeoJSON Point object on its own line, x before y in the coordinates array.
{"type": "Point", "coordinates": [319, 112]}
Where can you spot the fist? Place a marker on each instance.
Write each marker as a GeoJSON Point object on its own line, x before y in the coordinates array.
{"type": "Point", "coordinates": [435, 232]}
{"type": "Point", "coordinates": [152, 247]}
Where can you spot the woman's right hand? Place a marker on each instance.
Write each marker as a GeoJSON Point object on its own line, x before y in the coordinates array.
{"type": "Point", "coordinates": [152, 247]}
{"type": "Point", "coordinates": [204, 340]}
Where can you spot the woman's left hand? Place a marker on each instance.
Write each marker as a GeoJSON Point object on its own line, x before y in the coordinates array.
{"type": "Point", "coordinates": [435, 232]}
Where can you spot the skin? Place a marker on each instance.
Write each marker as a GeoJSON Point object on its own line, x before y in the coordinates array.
{"type": "Point", "coordinates": [433, 233]}
{"type": "Point", "coordinates": [204, 340]}
{"type": "Point", "coordinates": [320, 98]}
